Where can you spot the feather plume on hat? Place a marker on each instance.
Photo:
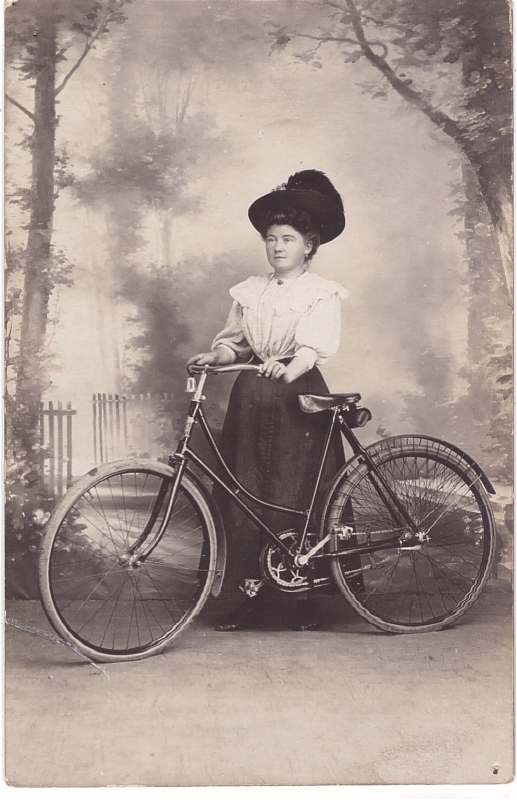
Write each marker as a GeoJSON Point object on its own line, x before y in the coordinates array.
{"type": "Point", "coordinates": [311, 191]}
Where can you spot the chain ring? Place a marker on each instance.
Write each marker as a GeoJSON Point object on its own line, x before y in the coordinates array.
{"type": "Point", "coordinates": [287, 579]}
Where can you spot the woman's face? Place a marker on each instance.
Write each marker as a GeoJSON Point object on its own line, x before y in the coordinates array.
{"type": "Point", "coordinates": [286, 249]}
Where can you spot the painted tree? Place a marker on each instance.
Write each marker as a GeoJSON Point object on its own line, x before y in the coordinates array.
{"type": "Point", "coordinates": [142, 178]}
{"type": "Point", "coordinates": [139, 182]}
{"type": "Point", "coordinates": [450, 60]}
{"type": "Point", "coordinates": [47, 41]}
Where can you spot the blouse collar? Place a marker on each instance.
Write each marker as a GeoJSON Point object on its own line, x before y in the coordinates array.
{"type": "Point", "coordinates": [307, 286]}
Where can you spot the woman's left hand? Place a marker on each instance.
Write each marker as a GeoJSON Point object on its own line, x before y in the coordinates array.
{"type": "Point", "coordinates": [274, 371]}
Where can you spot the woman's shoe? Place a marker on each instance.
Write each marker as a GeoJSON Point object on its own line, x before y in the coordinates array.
{"type": "Point", "coordinates": [247, 616]}
{"type": "Point", "coordinates": [307, 616]}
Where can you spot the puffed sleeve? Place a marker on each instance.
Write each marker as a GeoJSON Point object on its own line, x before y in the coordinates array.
{"type": "Point", "coordinates": [318, 331]}
{"type": "Point", "coordinates": [232, 336]}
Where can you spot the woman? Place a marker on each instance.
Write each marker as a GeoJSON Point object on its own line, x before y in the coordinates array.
{"type": "Point", "coordinates": [288, 321]}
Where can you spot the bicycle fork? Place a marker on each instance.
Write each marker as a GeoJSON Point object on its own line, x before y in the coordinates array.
{"type": "Point", "coordinates": [135, 555]}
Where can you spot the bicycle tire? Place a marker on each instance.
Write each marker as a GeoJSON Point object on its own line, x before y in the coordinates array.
{"type": "Point", "coordinates": [429, 588]}
{"type": "Point", "coordinates": [92, 597]}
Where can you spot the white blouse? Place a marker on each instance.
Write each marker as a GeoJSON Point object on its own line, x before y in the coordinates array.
{"type": "Point", "coordinates": [301, 316]}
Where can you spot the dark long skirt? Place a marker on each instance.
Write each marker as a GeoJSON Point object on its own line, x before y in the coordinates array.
{"type": "Point", "coordinates": [273, 448]}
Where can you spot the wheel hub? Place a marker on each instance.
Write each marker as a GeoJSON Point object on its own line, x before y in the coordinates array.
{"type": "Point", "coordinates": [414, 541]}
{"type": "Point", "coordinates": [129, 560]}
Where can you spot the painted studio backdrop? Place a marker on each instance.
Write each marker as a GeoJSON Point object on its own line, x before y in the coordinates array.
{"type": "Point", "coordinates": [139, 132]}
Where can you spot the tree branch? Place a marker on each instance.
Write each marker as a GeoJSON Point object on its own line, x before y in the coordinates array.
{"type": "Point", "coordinates": [20, 107]}
{"type": "Point", "coordinates": [339, 39]}
{"type": "Point", "coordinates": [184, 101]}
{"type": "Point", "coordinates": [340, 7]}
{"type": "Point", "coordinates": [496, 197]}
{"type": "Point", "coordinates": [90, 41]}
{"type": "Point", "coordinates": [378, 43]}
{"type": "Point", "coordinates": [378, 22]}
{"type": "Point", "coordinates": [315, 49]}
{"type": "Point", "coordinates": [323, 39]}
{"type": "Point", "coordinates": [88, 46]}
{"type": "Point", "coordinates": [439, 118]}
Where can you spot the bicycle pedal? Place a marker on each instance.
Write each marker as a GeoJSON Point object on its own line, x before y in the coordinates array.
{"type": "Point", "coordinates": [251, 586]}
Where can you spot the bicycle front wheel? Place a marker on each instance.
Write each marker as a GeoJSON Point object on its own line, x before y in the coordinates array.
{"type": "Point", "coordinates": [110, 606]}
{"type": "Point", "coordinates": [426, 588]}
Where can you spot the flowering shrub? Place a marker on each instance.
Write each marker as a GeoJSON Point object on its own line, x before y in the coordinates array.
{"type": "Point", "coordinates": [28, 505]}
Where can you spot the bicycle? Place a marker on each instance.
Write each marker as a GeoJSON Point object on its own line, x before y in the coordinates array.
{"type": "Point", "coordinates": [133, 550]}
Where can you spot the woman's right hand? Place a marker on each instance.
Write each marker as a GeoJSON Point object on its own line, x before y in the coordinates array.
{"type": "Point", "coordinates": [202, 359]}
{"type": "Point", "coordinates": [214, 358]}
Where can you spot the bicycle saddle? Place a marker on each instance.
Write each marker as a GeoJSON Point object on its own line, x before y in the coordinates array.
{"type": "Point", "coordinates": [311, 403]}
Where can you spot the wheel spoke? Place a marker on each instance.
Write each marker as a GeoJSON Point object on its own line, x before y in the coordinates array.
{"type": "Point", "coordinates": [102, 597]}
{"type": "Point", "coordinates": [408, 589]}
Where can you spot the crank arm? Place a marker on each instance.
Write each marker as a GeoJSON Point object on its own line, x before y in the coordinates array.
{"type": "Point", "coordinates": [303, 560]}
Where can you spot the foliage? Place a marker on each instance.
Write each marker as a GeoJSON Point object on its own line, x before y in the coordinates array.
{"type": "Point", "coordinates": [80, 24]}
{"type": "Point", "coordinates": [500, 450]}
{"type": "Point", "coordinates": [151, 168]}
{"type": "Point", "coordinates": [448, 59]}
{"type": "Point", "coordinates": [451, 61]}
{"type": "Point", "coordinates": [479, 417]}
{"type": "Point", "coordinates": [139, 179]}
{"type": "Point", "coordinates": [57, 270]}
{"type": "Point", "coordinates": [63, 175]}
{"type": "Point", "coordinates": [41, 36]}
{"type": "Point", "coordinates": [455, 55]}
{"type": "Point", "coordinates": [27, 503]}
{"type": "Point", "coordinates": [13, 268]}
{"type": "Point", "coordinates": [164, 332]}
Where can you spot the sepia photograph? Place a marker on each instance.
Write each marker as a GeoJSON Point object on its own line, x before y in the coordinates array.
{"type": "Point", "coordinates": [258, 393]}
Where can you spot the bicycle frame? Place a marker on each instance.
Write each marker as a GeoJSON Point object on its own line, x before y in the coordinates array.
{"type": "Point", "coordinates": [102, 598]}
{"type": "Point", "coordinates": [184, 454]}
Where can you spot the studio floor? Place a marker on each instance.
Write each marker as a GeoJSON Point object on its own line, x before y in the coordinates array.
{"type": "Point", "coordinates": [343, 705]}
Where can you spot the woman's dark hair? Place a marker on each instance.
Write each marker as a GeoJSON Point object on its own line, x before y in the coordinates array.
{"type": "Point", "coordinates": [299, 220]}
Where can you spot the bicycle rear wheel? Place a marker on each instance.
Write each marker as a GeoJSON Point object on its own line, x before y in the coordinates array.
{"type": "Point", "coordinates": [109, 608]}
{"type": "Point", "coordinates": [423, 589]}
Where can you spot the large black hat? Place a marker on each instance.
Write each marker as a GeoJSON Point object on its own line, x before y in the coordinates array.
{"type": "Point", "coordinates": [309, 191]}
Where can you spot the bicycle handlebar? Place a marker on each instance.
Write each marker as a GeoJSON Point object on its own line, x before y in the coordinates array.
{"type": "Point", "coordinates": [196, 369]}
